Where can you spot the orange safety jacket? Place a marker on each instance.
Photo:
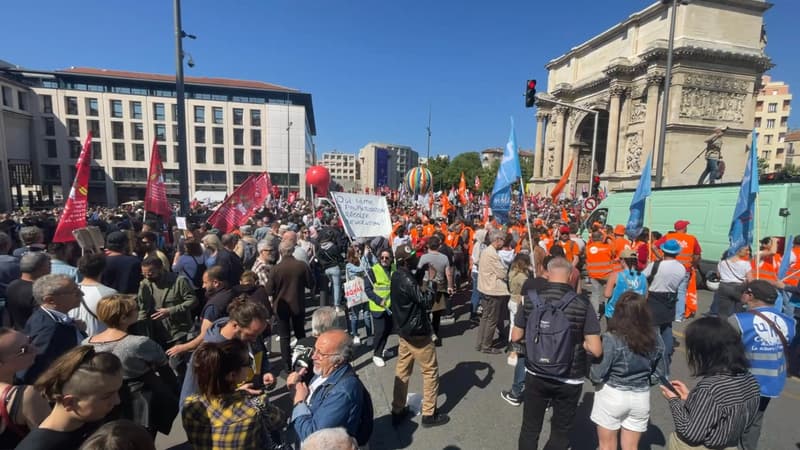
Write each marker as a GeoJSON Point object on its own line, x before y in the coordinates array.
{"type": "Point", "coordinates": [793, 275]}
{"type": "Point", "coordinates": [428, 230]}
{"type": "Point", "coordinates": [599, 260]}
{"type": "Point", "coordinates": [767, 269]}
{"type": "Point", "coordinates": [688, 244]}
{"type": "Point", "coordinates": [571, 249]}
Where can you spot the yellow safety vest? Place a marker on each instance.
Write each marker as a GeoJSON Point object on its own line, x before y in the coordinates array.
{"type": "Point", "coordinates": [381, 287]}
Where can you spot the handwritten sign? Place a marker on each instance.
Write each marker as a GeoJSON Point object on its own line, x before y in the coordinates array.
{"type": "Point", "coordinates": [363, 215]}
{"type": "Point", "coordinates": [181, 222]}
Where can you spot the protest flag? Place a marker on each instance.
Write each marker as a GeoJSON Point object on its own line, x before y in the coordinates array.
{"type": "Point", "coordinates": [562, 182]}
{"type": "Point", "coordinates": [155, 197]}
{"type": "Point", "coordinates": [241, 205]}
{"type": "Point", "coordinates": [742, 223]}
{"type": "Point", "coordinates": [462, 190]}
{"type": "Point", "coordinates": [74, 215]}
{"type": "Point", "coordinates": [636, 216]}
{"type": "Point", "coordinates": [508, 173]}
{"type": "Point", "coordinates": [477, 183]}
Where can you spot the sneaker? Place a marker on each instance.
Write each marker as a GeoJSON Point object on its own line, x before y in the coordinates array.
{"type": "Point", "coordinates": [356, 340]}
{"type": "Point", "coordinates": [509, 397]}
{"type": "Point", "coordinates": [435, 420]}
{"type": "Point", "coordinates": [491, 351]}
{"type": "Point", "coordinates": [293, 342]}
{"type": "Point", "coordinates": [400, 416]}
{"type": "Point", "coordinates": [449, 319]}
{"type": "Point", "coordinates": [378, 361]}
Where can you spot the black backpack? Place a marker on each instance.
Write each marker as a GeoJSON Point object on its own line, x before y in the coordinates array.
{"type": "Point", "coordinates": [197, 279]}
{"type": "Point", "coordinates": [548, 336]}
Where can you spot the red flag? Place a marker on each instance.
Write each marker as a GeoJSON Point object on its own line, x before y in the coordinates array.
{"type": "Point", "coordinates": [477, 183]}
{"type": "Point", "coordinates": [74, 215]}
{"type": "Point", "coordinates": [562, 182]}
{"type": "Point", "coordinates": [155, 197]}
{"type": "Point", "coordinates": [240, 205]}
{"type": "Point", "coordinates": [462, 190]}
{"type": "Point", "coordinates": [445, 204]}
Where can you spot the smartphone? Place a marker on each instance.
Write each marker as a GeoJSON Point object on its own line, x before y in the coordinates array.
{"type": "Point", "coordinates": [665, 382]}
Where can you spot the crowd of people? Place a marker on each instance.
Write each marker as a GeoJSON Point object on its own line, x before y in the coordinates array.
{"type": "Point", "coordinates": [106, 349]}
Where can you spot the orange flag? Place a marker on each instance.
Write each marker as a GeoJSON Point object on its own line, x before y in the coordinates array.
{"type": "Point", "coordinates": [564, 215]}
{"type": "Point", "coordinates": [562, 182]}
{"type": "Point", "coordinates": [691, 295]}
{"type": "Point", "coordinates": [445, 204]}
{"type": "Point", "coordinates": [462, 190]}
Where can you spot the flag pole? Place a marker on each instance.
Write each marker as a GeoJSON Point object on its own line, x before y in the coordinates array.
{"type": "Point", "coordinates": [758, 237]}
{"type": "Point", "coordinates": [528, 224]}
{"type": "Point", "coordinates": [649, 230]}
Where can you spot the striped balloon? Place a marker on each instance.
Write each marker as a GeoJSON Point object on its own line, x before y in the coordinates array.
{"type": "Point", "coordinates": [419, 180]}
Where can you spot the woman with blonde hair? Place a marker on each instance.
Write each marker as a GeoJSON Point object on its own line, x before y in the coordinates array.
{"type": "Point", "coordinates": [83, 385]}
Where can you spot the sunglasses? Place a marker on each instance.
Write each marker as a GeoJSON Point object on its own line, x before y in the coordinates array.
{"type": "Point", "coordinates": [386, 257]}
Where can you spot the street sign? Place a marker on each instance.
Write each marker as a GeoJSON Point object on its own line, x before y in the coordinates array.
{"type": "Point", "coordinates": [590, 203]}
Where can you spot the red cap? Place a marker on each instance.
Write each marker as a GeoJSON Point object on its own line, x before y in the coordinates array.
{"type": "Point", "coordinates": [681, 225]}
{"type": "Point", "coordinates": [563, 229]}
{"type": "Point", "coordinates": [619, 229]}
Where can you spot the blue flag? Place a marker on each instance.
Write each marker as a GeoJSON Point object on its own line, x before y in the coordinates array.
{"type": "Point", "coordinates": [508, 173]}
{"type": "Point", "coordinates": [743, 221]}
{"type": "Point", "coordinates": [636, 218]}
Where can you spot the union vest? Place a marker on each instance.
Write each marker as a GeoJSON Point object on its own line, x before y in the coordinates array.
{"type": "Point", "coordinates": [793, 276]}
{"type": "Point", "coordinates": [764, 350]}
{"type": "Point", "coordinates": [768, 269]}
{"type": "Point", "coordinates": [381, 287]}
{"type": "Point", "coordinates": [599, 260]}
{"type": "Point", "coordinates": [571, 249]}
{"type": "Point", "coordinates": [688, 243]}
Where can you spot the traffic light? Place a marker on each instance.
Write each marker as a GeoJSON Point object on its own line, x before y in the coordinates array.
{"type": "Point", "coordinates": [530, 93]}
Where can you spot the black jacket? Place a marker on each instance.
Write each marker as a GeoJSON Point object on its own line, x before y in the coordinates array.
{"type": "Point", "coordinates": [409, 305]}
{"type": "Point", "coordinates": [51, 339]}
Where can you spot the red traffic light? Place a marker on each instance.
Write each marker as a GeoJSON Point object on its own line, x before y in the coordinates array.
{"type": "Point", "coordinates": [531, 84]}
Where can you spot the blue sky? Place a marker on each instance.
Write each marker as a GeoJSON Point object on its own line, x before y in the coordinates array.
{"type": "Point", "coordinates": [373, 67]}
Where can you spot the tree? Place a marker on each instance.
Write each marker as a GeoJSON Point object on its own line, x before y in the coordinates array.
{"type": "Point", "coordinates": [468, 163]}
{"type": "Point", "coordinates": [437, 167]}
{"type": "Point", "coordinates": [763, 165]}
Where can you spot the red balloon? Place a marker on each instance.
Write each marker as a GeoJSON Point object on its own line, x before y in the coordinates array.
{"type": "Point", "coordinates": [319, 178]}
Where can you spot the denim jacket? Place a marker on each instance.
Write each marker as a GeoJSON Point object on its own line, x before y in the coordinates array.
{"type": "Point", "coordinates": [622, 369]}
{"type": "Point", "coordinates": [336, 403]}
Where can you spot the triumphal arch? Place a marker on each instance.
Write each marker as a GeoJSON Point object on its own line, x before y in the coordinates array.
{"type": "Point", "coordinates": [718, 60]}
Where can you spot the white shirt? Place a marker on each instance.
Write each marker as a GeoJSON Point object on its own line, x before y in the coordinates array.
{"type": "Point", "coordinates": [315, 384]}
{"type": "Point", "coordinates": [733, 270]}
{"type": "Point", "coordinates": [91, 297]}
{"type": "Point", "coordinates": [669, 276]}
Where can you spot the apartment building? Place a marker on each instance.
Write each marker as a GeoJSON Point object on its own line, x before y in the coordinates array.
{"type": "Point", "coordinates": [343, 168]}
{"type": "Point", "coordinates": [234, 128]}
{"type": "Point", "coordinates": [773, 105]}
{"type": "Point", "coordinates": [384, 165]}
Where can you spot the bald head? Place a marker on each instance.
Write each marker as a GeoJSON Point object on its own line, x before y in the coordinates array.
{"type": "Point", "coordinates": [289, 236]}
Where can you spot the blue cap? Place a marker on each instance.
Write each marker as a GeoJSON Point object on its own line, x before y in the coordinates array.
{"type": "Point", "coordinates": [671, 247]}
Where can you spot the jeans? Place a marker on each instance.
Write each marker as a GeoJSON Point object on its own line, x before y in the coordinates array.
{"type": "Point", "coordinates": [334, 274]}
{"type": "Point", "coordinates": [665, 330]}
{"type": "Point", "coordinates": [354, 313]}
{"type": "Point", "coordinates": [382, 321]}
{"type": "Point", "coordinates": [476, 299]}
{"type": "Point", "coordinates": [711, 171]}
{"type": "Point", "coordinates": [598, 286]}
{"type": "Point", "coordinates": [518, 386]}
{"type": "Point", "coordinates": [680, 307]}
{"type": "Point", "coordinates": [749, 440]}
{"type": "Point", "coordinates": [564, 398]}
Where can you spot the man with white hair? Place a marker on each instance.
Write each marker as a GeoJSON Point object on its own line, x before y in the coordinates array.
{"type": "Point", "coordinates": [300, 253]}
{"type": "Point", "coordinates": [263, 264]}
{"type": "Point", "coordinates": [330, 439]}
{"type": "Point", "coordinates": [492, 289]}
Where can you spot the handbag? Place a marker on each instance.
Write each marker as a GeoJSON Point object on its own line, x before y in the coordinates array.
{"type": "Point", "coordinates": [354, 291]}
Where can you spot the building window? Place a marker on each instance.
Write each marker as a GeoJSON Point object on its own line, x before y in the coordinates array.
{"type": "Point", "coordinates": [97, 174]}
{"type": "Point", "coordinates": [136, 110]}
{"type": "Point", "coordinates": [52, 148]}
{"type": "Point", "coordinates": [91, 107]}
{"type": "Point", "coordinates": [138, 152]}
{"type": "Point", "coordinates": [116, 109]}
{"type": "Point", "coordinates": [255, 118]}
{"type": "Point", "coordinates": [162, 152]}
{"type": "Point", "coordinates": [238, 136]}
{"type": "Point", "coordinates": [219, 136]}
{"type": "Point", "coordinates": [94, 127]}
{"type": "Point", "coordinates": [71, 104]}
{"type": "Point", "coordinates": [238, 116]}
{"type": "Point", "coordinates": [768, 139]}
{"type": "Point", "coordinates": [210, 177]}
{"type": "Point", "coordinates": [175, 133]}
{"type": "Point", "coordinates": [767, 154]}
{"type": "Point", "coordinates": [772, 107]}
{"type": "Point", "coordinates": [7, 96]}
{"type": "Point", "coordinates": [47, 104]}
{"type": "Point", "coordinates": [97, 150]}
{"type": "Point", "coordinates": [158, 111]}
{"type": "Point", "coordinates": [49, 126]}
{"type": "Point", "coordinates": [117, 130]}
{"type": "Point", "coordinates": [137, 130]}
{"type": "Point", "coordinates": [784, 122]}
{"type": "Point", "coordinates": [199, 114]}
{"type": "Point", "coordinates": [160, 130]}
{"type": "Point", "coordinates": [200, 155]}
{"type": "Point", "coordinates": [129, 174]}
{"type": "Point", "coordinates": [73, 128]}
{"type": "Point", "coordinates": [52, 172]}
{"type": "Point", "coordinates": [255, 157]}
{"type": "Point", "coordinates": [781, 137]}
{"type": "Point", "coordinates": [255, 138]}
{"type": "Point", "coordinates": [770, 123]}
{"type": "Point", "coordinates": [174, 109]}
{"type": "Point", "coordinates": [200, 135]}
{"type": "Point", "coordinates": [22, 100]}
{"type": "Point", "coordinates": [74, 149]}
{"type": "Point", "coordinates": [757, 122]}
{"type": "Point", "coordinates": [219, 155]}
{"type": "Point", "coordinates": [238, 156]}
{"type": "Point", "coordinates": [119, 151]}
{"type": "Point", "coordinates": [217, 115]}
{"type": "Point", "coordinates": [786, 105]}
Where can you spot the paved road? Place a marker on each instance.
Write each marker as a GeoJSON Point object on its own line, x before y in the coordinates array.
{"type": "Point", "coordinates": [470, 385]}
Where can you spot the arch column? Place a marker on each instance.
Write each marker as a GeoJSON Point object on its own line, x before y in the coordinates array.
{"type": "Point", "coordinates": [654, 82]}
{"type": "Point", "coordinates": [561, 117]}
{"type": "Point", "coordinates": [612, 140]}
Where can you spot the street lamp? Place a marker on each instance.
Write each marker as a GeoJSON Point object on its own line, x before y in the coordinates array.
{"type": "Point", "coordinates": [183, 160]}
{"type": "Point", "coordinates": [662, 138]}
{"type": "Point", "coordinates": [288, 149]}
{"type": "Point", "coordinates": [550, 99]}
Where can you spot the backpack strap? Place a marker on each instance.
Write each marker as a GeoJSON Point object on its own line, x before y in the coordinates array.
{"type": "Point", "coordinates": [653, 272]}
{"type": "Point", "coordinates": [566, 300]}
{"type": "Point", "coordinates": [535, 299]}
{"type": "Point", "coordinates": [776, 330]}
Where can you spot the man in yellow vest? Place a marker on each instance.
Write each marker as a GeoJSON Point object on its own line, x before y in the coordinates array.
{"type": "Point", "coordinates": [377, 289]}
{"type": "Point", "coordinates": [689, 257]}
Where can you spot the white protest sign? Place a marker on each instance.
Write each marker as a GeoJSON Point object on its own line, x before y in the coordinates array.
{"type": "Point", "coordinates": [363, 215]}
{"type": "Point", "coordinates": [181, 222]}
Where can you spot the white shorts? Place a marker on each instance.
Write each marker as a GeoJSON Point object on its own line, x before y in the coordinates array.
{"type": "Point", "coordinates": [614, 408]}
